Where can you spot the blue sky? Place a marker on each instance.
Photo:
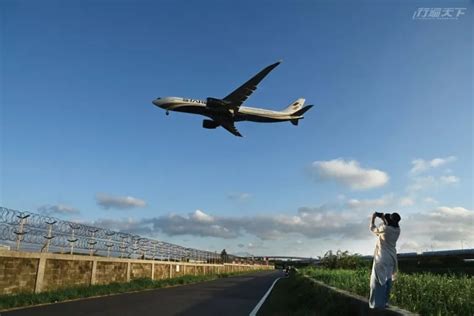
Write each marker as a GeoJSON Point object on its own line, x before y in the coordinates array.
{"type": "Point", "coordinates": [391, 128]}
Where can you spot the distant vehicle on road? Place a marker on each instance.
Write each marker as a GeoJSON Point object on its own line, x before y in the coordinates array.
{"type": "Point", "coordinates": [225, 112]}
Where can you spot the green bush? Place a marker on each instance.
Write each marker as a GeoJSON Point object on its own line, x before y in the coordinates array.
{"type": "Point", "coordinates": [343, 260]}
{"type": "Point", "coordinates": [424, 293]}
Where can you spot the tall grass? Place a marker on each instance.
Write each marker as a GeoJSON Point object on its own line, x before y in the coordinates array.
{"type": "Point", "coordinates": [424, 293]}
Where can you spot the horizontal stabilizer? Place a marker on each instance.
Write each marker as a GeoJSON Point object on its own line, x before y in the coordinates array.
{"type": "Point", "coordinates": [302, 111]}
{"type": "Point", "coordinates": [298, 115]}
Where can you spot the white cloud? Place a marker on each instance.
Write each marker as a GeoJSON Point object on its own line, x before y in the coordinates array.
{"type": "Point", "coordinates": [430, 182]}
{"type": "Point", "coordinates": [349, 173]}
{"type": "Point", "coordinates": [430, 200]}
{"type": "Point", "coordinates": [407, 201]}
{"type": "Point", "coordinates": [370, 203]}
{"type": "Point", "coordinates": [202, 217]}
{"type": "Point", "coordinates": [126, 225]}
{"type": "Point", "coordinates": [242, 196]}
{"type": "Point", "coordinates": [197, 223]}
{"type": "Point", "coordinates": [452, 212]}
{"type": "Point", "coordinates": [119, 202]}
{"type": "Point", "coordinates": [449, 179]}
{"type": "Point", "coordinates": [442, 227]}
{"type": "Point", "coordinates": [58, 209]}
{"type": "Point", "coordinates": [319, 222]}
{"type": "Point", "coordinates": [410, 246]}
{"type": "Point", "coordinates": [421, 183]}
{"type": "Point", "coordinates": [438, 228]}
{"type": "Point", "coordinates": [256, 245]}
{"type": "Point", "coordinates": [421, 165]}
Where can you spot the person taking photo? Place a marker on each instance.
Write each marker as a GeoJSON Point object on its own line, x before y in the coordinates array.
{"type": "Point", "coordinates": [385, 264]}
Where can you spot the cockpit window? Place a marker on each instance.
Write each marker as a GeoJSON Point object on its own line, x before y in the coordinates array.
{"type": "Point", "coordinates": [158, 98]}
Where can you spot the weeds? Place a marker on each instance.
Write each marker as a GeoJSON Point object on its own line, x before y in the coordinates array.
{"type": "Point", "coordinates": [424, 293]}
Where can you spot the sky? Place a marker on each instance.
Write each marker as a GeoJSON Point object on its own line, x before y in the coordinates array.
{"type": "Point", "coordinates": [391, 129]}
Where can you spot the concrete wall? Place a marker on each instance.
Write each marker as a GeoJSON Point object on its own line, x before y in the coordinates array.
{"type": "Point", "coordinates": [17, 274]}
{"type": "Point", "coordinates": [162, 271]}
{"type": "Point", "coordinates": [27, 272]}
{"type": "Point", "coordinates": [71, 272]}
{"type": "Point", "coordinates": [139, 270]}
{"type": "Point", "coordinates": [108, 272]}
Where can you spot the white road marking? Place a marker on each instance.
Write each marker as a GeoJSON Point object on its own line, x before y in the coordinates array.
{"type": "Point", "coordinates": [260, 303]}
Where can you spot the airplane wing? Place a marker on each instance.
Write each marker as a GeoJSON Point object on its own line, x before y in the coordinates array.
{"type": "Point", "coordinates": [231, 128]}
{"type": "Point", "coordinates": [238, 96]}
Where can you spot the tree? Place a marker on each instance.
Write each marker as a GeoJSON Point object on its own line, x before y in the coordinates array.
{"type": "Point", "coordinates": [343, 260]}
{"type": "Point", "coordinates": [224, 256]}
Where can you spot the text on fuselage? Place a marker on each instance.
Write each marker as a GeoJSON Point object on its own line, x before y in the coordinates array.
{"type": "Point", "coordinates": [193, 101]}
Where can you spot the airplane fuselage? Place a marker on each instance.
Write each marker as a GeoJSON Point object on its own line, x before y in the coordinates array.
{"type": "Point", "coordinates": [228, 110]}
{"type": "Point", "coordinates": [244, 113]}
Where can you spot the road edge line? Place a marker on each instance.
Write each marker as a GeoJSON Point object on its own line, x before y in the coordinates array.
{"type": "Point", "coordinates": [262, 300]}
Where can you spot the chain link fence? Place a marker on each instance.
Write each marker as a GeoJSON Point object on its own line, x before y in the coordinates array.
{"type": "Point", "coordinates": [35, 232]}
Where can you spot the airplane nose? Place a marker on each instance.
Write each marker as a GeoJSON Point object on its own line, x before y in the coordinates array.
{"type": "Point", "coordinates": [155, 102]}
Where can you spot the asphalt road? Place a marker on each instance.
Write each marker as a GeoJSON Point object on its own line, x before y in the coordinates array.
{"type": "Point", "coordinates": [236, 295]}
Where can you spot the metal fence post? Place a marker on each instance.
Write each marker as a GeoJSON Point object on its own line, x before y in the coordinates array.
{"type": "Point", "coordinates": [49, 236]}
{"type": "Point", "coordinates": [73, 240]}
{"type": "Point", "coordinates": [20, 232]}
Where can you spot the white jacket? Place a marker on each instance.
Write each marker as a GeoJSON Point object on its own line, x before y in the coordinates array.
{"type": "Point", "coordinates": [385, 254]}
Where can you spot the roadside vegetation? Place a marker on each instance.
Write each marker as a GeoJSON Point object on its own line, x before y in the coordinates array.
{"type": "Point", "coordinates": [27, 299]}
{"type": "Point", "coordinates": [298, 295]}
{"type": "Point", "coordinates": [425, 293]}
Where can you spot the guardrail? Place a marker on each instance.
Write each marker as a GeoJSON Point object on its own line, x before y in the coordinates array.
{"type": "Point", "coordinates": [31, 231]}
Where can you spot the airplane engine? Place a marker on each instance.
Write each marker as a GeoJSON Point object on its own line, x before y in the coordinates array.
{"type": "Point", "coordinates": [210, 124]}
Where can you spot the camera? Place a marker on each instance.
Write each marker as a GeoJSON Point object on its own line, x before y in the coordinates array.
{"type": "Point", "coordinates": [377, 214]}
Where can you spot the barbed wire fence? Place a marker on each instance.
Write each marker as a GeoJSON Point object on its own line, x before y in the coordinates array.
{"type": "Point", "coordinates": [35, 232]}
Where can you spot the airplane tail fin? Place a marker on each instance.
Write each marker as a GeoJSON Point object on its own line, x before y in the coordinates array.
{"type": "Point", "coordinates": [298, 114]}
{"type": "Point", "coordinates": [295, 106]}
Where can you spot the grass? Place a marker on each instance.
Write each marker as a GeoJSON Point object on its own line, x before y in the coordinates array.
{"type": "Point", "coordinates": [423, 293]}
{"type": "Point", "coordinates": [281, 302]}
{"type": "Point", "coordinates": [28, 299]}
{"type": "Point", "coordinates": [298, 296]}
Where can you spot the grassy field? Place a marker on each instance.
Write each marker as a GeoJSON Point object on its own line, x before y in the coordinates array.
{"type": "Point", "coordinates": [424, 293]}
{"type": "Point", "coordinates": [27, 299]}
{"type": "Point", "coordinates": [298, 296]}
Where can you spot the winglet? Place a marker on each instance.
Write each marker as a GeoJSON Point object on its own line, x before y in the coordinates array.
{"type": "Point", "coordinates": [275, 64]}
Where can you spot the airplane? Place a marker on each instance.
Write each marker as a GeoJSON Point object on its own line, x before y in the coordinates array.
{"type": "Point", "coordinates": [225, 112]}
